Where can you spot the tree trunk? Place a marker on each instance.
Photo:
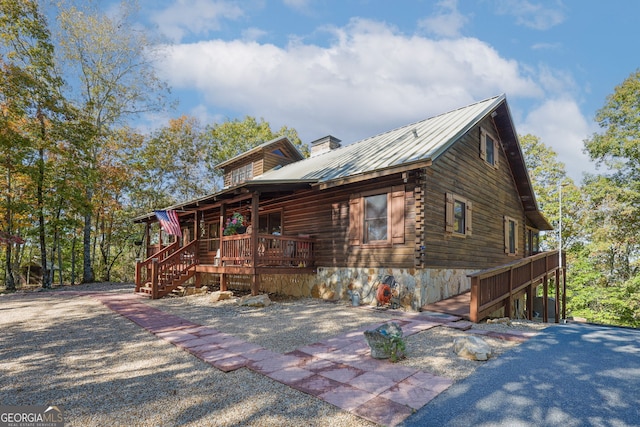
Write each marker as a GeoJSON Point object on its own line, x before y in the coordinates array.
{"type": "Point", "coordinates": [73, 259]}
{"type": "Point", "coordinates": [87, 270]}
{"type": "Point", "coordinates": [9, 281]}
{"type": "Point", "coordinates": [46, 277]}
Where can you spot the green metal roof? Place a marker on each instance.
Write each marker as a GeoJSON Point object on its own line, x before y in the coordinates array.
{"type": "Point", "coordinates": [420, 141]}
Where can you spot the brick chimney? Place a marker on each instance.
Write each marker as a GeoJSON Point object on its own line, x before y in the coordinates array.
{"type": "Point", "coordinates": [324, 145]}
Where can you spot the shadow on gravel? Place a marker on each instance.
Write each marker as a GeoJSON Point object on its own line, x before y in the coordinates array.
{"type": "Point", "coordinates": [71, 351]}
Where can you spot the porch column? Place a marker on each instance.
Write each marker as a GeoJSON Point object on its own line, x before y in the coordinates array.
{"type": "Point", "coordinates": [545, 299]}
{"type": "Point", "coordinates": [255, 203]}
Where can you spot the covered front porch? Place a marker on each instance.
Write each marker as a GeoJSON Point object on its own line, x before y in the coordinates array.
{"type": "Point", "coordinates": [247, 254]}
{"type": "Point", "coordinates": [210, 244]}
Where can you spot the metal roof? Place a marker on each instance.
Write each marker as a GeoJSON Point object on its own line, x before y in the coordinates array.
{"type": "Point", "coordinates": [420, 141]}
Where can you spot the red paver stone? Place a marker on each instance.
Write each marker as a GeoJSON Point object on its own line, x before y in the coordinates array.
{"type": "Point", "coordinates": [396, 372]}
{"type": "Point", "coordinates": [429, 381]}
{"type": "Point", "coordinates": [273, 364]}
{"type": "Point", "coordinates": [341, 373]}
{"type": "Point", "coordinates": [317, 365]}
{"type": "Point", "coordinates": [346, 397]}
{"type": "Point", "coordinates": [372, 382]}
{"type": "Point", "coordinates": [461, 325]}
{"type": "Point", "coordinates": [216, 354]}
{"type": "Point", "coordinates": [262, 354]}
{"type": "Point", "coordinates": [409, 394]}
{"type": "Point", "coordinates": [316, 385]}
{"type": "Point", "coordinates": [383, 411]}
{"type": "Point", "coordinates": [230, 364]}
{"type": "Point", "coordinates": [291, 375]}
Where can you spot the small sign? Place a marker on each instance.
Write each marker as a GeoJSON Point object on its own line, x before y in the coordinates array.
{"type": "Point", "coordinates": [31, 416]}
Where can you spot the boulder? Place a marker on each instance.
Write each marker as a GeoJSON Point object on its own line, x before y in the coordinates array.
{"type": "Point", "coordinates": [261, 300]}
{"type": "Point", "coordinates": [221, 295]}
{"type": "Point", "coordinates": [386, 341]}
{"type": "Point", "coordinates": [472, 347]}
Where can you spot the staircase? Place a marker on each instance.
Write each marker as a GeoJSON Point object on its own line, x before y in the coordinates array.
{"type": "Point", "coordinates": [160, 274]}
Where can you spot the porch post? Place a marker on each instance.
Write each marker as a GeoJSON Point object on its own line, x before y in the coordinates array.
{"type": "Point", "coordinates": [255, 222]}
{"type": "Point", "coordinates": [154, 278]}
{"type": "Point", "coordinates": [223, 282]}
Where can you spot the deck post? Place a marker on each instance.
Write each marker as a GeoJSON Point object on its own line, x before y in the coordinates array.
{"type": "Point", "coordinates": [255, 284]}
{"type": "Point", "coordinates": [223, 282]}
{"type": "Point", "coordinates": [138, 277]}
{"type": "Point", "coordinates": [564, 290]}
{"type": "Point", "coordinates": [530, 290]}
{"type": "Point", "coordinates": [545, 298]}
{"type": "Point", "coordinates": [154, 278]}
{"type": "Point", "coordinates": [557, 305]}
{"type": "Point", "coordinates": [473, 305]}
{"type": "Point", "coordinates": [509, 302]}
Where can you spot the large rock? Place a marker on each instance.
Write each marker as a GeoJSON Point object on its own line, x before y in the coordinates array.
{"type": "Point", "coordinates": [386, 342]}
{"type": "Point", "coordinates": [472, 347]}
{"type": "Point", "coordinates": [221, 295]}
{"type": "Point", "coordinates": [261, 300]}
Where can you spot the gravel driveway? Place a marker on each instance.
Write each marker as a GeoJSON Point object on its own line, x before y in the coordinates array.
{"type": "Point", "coordinates": [65, 349]}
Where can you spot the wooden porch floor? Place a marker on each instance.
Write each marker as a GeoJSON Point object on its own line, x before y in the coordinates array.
{"type": "Point", "coordinates": [457, 305]}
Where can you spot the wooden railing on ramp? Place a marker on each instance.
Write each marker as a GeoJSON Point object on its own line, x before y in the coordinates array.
{"type": "Point", "coordinates": [497, 287]}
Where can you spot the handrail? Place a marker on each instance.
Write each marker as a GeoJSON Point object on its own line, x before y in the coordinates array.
{"type": "Point", "coordinates": [145, 266]}
{"type": "Point", "coordinates": [166, 272]}
{"type": "Point", "coordinates": [495, 287]}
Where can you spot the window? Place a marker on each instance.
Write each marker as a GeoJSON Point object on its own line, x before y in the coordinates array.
{"type": "Point", "coordinates": [489, 148]}
{"type": "Point", "coordinates": [510, 236]}
{"type": "Point", "coordinates": [458, 215]}
{"type": "Point", "coordinates": [270, 223]}
{"type": "Point", "coordinates": [377, 218]}
{"type": "Point", "coordinates": [242, 174]}
{"type": "Point", "coordinates": [532, 241]}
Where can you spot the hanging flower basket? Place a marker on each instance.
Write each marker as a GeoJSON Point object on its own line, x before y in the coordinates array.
{"type": "Point", "coordinates": [234, 225]}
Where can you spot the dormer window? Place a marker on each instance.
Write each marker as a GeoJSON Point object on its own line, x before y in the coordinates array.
{"type": "Point", "coordinates": [242, 174]}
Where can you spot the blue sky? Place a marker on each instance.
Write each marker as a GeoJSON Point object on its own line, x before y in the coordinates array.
{"type": "Point", "coordinates": [354, 68]}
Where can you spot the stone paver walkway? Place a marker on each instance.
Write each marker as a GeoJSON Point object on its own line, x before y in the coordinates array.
{"type": "Point", "coordinates": [338, 370]}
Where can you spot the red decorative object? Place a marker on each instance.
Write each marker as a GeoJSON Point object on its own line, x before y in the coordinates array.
{"type": "Point", "coordinates": [383, 295]}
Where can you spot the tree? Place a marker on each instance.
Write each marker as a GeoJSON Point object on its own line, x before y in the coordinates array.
{"type": "Point", "coordinates": [613, 209]}
{"type": "Point", "coordinates": [113, 63]}
{"type": "Point", "coordinates": [33, 103]}
{"type": "Point", "coordinates": [548, 177]}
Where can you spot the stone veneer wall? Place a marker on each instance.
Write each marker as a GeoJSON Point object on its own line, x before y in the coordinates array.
{"type": "Point", "coordinates": [417, 287]}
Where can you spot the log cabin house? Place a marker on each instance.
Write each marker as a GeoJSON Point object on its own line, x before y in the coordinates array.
{"type": "Point", "coordinates": [444, 206]}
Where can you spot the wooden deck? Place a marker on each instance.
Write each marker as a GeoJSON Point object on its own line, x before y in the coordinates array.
{"type": "Point", "coordinates": [457, 305]}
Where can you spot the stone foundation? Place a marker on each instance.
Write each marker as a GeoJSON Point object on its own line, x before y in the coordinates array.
{"type": "Point", "coordinates": [415, 287]}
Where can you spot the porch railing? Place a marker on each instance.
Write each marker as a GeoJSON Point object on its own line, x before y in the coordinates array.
{"type": "Point", "coordinates": [272, 250]}
{"type": "Point", "coordinates": [143, 268]}
{"type": "Point", "coordinates": [495, 287]}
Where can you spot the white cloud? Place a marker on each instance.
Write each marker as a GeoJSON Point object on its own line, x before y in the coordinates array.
{"type": "Point", "coordinates": [369, 79]}
{"type": "Point", "coordinates": [199, 17]}
{"type": "Point", "coordinates": [535, 15]}
{"type": "Point", "coordinates": [447, 22]}
{"type": "Point", "coordinates": [560, 125]}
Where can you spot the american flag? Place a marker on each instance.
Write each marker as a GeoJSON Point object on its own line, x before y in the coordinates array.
{"type": "Point", "coordinates": [169, 222]}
